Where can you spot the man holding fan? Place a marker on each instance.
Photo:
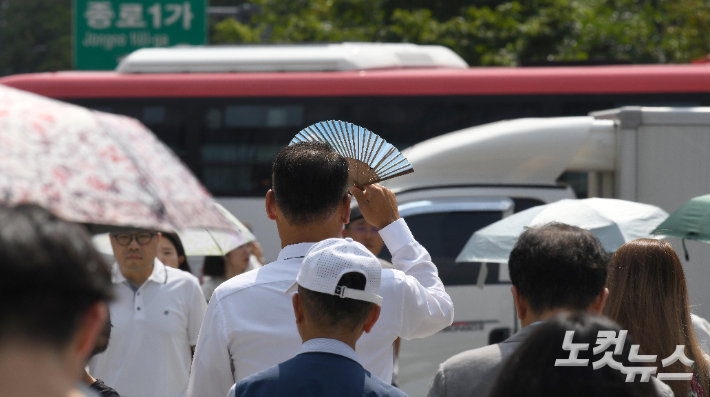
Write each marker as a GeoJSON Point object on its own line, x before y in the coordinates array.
{"type": "Point", "coordinates": [250, 323]}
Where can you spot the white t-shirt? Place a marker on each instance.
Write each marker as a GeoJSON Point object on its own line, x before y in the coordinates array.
{"type": "Point", "coordinates": [250, 325]}
{"type": "Point", "coordinates": [154, 327]}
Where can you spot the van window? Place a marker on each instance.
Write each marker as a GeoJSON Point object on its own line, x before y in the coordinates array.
{"type": "Point", "coordinates": [522, 204]}
{"type": "Point", "coordinates": [444, 235]}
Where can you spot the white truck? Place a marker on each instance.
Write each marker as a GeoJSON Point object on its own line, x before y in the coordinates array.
{"type": "Point", "coordinates": [468, 179]}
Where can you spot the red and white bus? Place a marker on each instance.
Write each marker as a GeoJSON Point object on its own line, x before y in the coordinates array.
{"type": "Point", "coordinates": [226, 118]}
{"type": "Point", "coordinates": [228, 126]}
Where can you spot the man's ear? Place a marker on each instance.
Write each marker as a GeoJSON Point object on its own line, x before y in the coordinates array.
{"type": "Point", "coordinates": [298, 308]}
{"type": "Point", "coordinates": [345, 209]}
{"type": "Point", "coordinates": [270, 202]}
{"type": "Point", "coordinates": [158, 237]}
{"type": "Point", "coordinates": [598, 304]}
{"type": "Point", "coordinates": [372, 318]}
{"type": "Point", "coordinates": [89, 328]}
{"type": "Point", "coordinates": [521, 306]}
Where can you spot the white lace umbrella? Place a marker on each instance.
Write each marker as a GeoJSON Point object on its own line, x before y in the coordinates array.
{"type": "Point", "coordinates": [614, 222]}
{"type": "Point", "coordinates": [95, 168]}
{"type": "Point", "coordinates": [199, 242]}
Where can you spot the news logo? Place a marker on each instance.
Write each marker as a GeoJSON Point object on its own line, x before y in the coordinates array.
{"type": "Point", "coordinates": [606, 339]}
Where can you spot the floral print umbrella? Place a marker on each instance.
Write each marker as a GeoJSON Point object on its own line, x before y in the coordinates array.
{"type": "Point", "coordinates": [95, 168]}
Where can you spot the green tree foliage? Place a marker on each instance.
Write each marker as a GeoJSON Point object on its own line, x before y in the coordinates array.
{"type": "Point", "coordinates": [656, 31]}
{"type": "Point", "coordinates": [35, 36]}
{"type": "Point", "coordinates": [493, 32]}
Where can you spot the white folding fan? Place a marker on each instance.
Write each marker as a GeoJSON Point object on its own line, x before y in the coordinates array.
{"type": "Point", "coordinates": [370, 158]}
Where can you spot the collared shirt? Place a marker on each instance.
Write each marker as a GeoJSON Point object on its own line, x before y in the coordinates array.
{"type": "Point", "coordinates": [154, 327]}
{"type": "Point", "coordinates": [327, 345]}
{"type": "Point", "coordinates": [250, 325]}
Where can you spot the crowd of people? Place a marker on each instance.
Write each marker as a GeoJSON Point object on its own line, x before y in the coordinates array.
{"type": "Point", "coordinates": [325, 317]}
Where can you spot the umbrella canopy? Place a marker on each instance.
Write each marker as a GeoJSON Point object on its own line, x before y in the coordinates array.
{"type": "Point", "coordinates": [95, 168]}
{"type": "Point", "coordinates": [690, 221]}
{"type": "Point", "coordinates": [614, 222]}
{"type": "Point", "coordinates": [199, 242]}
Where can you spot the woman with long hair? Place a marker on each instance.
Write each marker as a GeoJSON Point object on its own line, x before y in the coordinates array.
{"type": "Point", "coordinates": [648, 297]}
{"type": "Point", "coordinates": [172, 253]}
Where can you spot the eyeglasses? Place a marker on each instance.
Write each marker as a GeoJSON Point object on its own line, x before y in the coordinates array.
{"type": "Point", "coordinates": [125, 239]}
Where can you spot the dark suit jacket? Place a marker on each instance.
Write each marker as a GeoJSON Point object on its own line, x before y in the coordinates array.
{"type": "Point", "coordinates": [316, 375]}
{"type": "Point", "coordinates": [473, 373]}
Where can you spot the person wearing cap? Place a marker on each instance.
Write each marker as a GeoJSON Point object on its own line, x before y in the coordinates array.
{"type": "Point", "coordinates": [364, 233]}
{"type": "Point", "coordinates": [336, 302]}
{"type": "Point", "coordinates": [250, 324]}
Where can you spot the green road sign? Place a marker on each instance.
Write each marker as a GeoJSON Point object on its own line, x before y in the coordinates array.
{"type": "Point", "coordinates": [107, 30]}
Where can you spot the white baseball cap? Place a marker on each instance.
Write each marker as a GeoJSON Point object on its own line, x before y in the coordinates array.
{"type": "Point", "coordinates": [327, 261]}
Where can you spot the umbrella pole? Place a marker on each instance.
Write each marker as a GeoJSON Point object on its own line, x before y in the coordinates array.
{"type": "Point", "coordinates": [482, 274]}
{"type": "Point", "coordinates": [221, 251]}
{"type": "Point", "coordinates": [685, 250]}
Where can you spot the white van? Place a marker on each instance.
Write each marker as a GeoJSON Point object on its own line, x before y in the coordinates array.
{"type": "Point", "coordinates": [466, 180]}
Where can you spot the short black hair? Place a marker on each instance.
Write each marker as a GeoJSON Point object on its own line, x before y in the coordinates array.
{"type": "Point", "coordinates": [558, 265]}
{"type": "Point", "coordinates": [331, 311]}
{"type": "Point", "coordinates": [213, 266]}
{"type": "Point", "coordinates": [310, 180]}
{"type": "Point", "coordinates": [51, 275]}
{"type": "Point", "coordinates": [531, 370]}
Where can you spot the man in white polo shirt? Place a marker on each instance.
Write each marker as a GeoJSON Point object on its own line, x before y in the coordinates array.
{"type": "Point", "coordinates": [156, 317]}
{"type": "Point", "coordinates": [250, 325]}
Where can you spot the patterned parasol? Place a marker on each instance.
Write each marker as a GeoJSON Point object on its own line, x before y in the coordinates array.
{"type": "Point", "coordinates": [95, 168]}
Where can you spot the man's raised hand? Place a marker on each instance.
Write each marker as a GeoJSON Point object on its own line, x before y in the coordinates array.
{"type": "Point", "coordinates": [377, 204]}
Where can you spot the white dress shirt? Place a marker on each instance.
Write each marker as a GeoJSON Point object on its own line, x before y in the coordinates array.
{"type": "Point", "coordinates": [154, 327]}
{"type": "Point", "coordinates": [250, 325]}
{"type": "Point", "coordinates": [327, 345]}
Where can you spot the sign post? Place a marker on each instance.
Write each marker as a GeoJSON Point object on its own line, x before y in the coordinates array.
{"type": "Point", "coordinates": [107, 30]}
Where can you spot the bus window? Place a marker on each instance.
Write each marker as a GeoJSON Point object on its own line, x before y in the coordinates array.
{"type": "Point", "coordinates": [153, 115]}
{"type": "Point", "coordinates": [230, 143]}
{"type": "Point", "coordinates": [249, 133]}
{"type": "Point", "coordinates": [169, 123]}
{"type": "Point", "coordinates": [263, 116]}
